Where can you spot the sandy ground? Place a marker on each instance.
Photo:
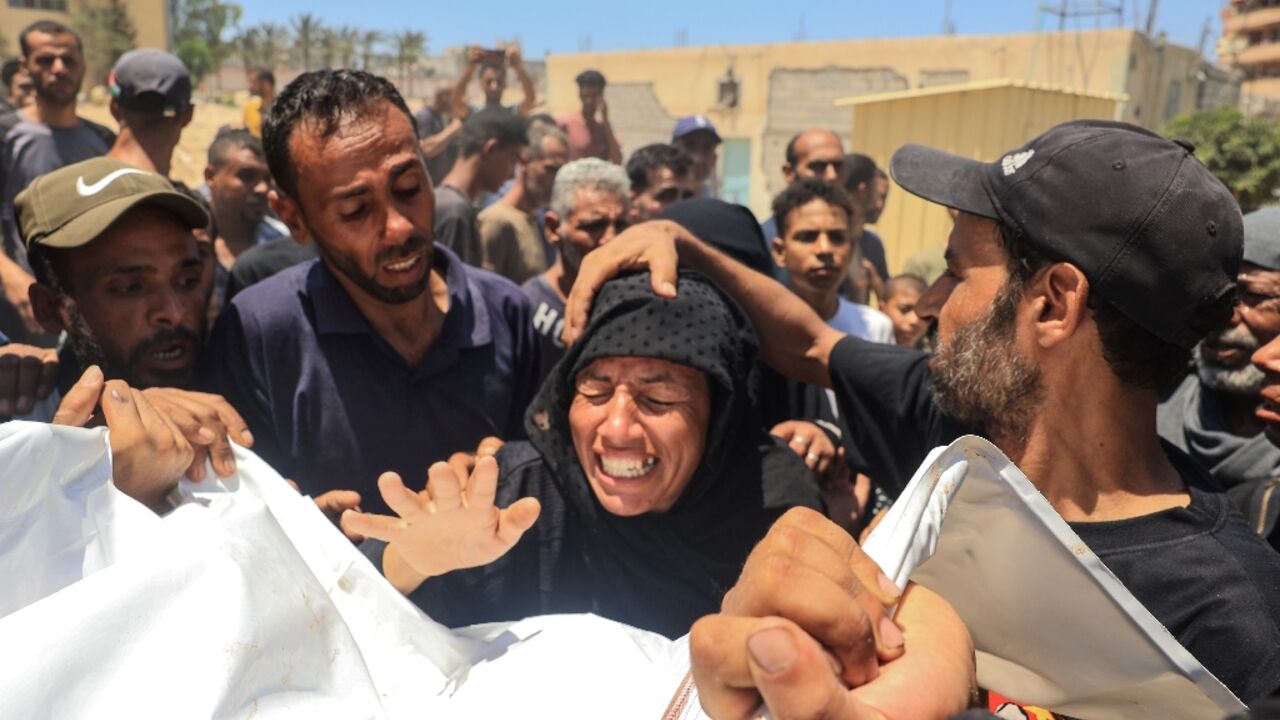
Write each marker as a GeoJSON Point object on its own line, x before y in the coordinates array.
{"type": "Point", "coordinates": [189, 158]}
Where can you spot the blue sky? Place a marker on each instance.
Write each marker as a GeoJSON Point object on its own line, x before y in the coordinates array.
{"type": "Point", "coordinates": [559, 26]}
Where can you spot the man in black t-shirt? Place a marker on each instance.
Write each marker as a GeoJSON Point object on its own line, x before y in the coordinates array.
{"type": "Point", "coordinates": [1082, 269]}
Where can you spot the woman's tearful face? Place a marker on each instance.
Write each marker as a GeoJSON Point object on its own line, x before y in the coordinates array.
{"type": "Point", "coordinates": [639, 428]}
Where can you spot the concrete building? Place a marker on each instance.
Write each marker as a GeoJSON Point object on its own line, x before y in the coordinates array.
{"type": "Point", "coordinates": [1250, 43]}
{"type": "Point", "coordinates": [760, 95]}
{"type": "Point", "coordinates": [150, 19]}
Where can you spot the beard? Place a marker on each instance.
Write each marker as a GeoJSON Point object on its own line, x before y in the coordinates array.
{"type": "Point", "coordinates": [351, 270]}
{"type": "Point", "coordinates": [1246, 380]}
{"type": "Point", "coordinates": [980, 379]}
{"type": "Point", "coordinates": [89, 351]}
{"type": "Point", "coordinates": [56, 94]}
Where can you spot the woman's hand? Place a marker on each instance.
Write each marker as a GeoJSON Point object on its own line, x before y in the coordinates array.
{"type": "Point", "coordinates": [444, 527]}
{"type": "Point", "coordinates": [811, 443]}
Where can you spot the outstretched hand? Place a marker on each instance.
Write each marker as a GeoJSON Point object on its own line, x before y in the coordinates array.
{"type": "Point", "coordinates": [445, 527]}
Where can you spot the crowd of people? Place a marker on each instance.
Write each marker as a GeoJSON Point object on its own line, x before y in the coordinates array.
{"type": "Point", "coordinates": [529, 377]}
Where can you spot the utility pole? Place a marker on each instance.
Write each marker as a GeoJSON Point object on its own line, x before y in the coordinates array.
{"type": "Point", "coordinates": [1204, 35]}
{"type": "Point", "coordinates": [1151, 17]}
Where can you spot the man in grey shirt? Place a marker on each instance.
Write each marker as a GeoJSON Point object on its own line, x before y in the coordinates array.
{"type": "Point", "coordinates": [489, 146]}
{"type": "Point", "coordinates": [1210, 415]}
{"type": "Point", "coordinates": [41, 138]}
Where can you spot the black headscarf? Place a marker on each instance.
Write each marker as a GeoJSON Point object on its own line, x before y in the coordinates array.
{"type": "Point", "coordinates": [731, 229]}
{"type": "Point", "coordinates": [657, 571]}
{"type": "Point", "coordinates": [662, 570]}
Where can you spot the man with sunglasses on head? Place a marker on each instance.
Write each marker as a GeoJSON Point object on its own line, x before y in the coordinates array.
{"type": "Point", "coordinates": [661, 175]}
{"type": "Point", "coordinates": [812, 154]}
{"type": "Point", "coordinates": [588, 208]}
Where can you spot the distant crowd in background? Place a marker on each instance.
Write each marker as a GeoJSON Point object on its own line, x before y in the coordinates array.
{"type": "Point", "coordinates": [361, 293]}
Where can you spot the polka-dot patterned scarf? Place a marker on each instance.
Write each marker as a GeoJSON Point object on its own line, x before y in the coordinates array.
{"type": "Point", "coordinates": [658, 570]}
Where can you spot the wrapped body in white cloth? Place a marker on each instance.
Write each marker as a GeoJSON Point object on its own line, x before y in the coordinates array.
{"type": "Point", "coordinates": [245, 601]}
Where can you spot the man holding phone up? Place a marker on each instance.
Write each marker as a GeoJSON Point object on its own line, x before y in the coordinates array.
{"type": "Point", "coordinates": [493, 65]}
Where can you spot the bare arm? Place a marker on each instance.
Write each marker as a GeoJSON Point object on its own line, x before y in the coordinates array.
{"type": "Point", "coordinates": [459, 107]}
{"type": "Point", "coordinates": [15, 283]}
{"type": "Point", "coordinates": [611, 140]}
{"type": "Point", "coordinates": [526, 83]}
{"type": "Point", "coordinates": [794, 340]}
{"type": "Point", "coordinates": [433, 145]}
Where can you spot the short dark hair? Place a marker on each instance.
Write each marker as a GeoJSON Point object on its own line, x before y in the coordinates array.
{"type": "Point", "coordinates": [46, 266]}
{"type": "Point", "coordinates": [48, 27]}
{"type": "Point", "coordinates": [881, 174]}
{"type": "Point", "coordinates": [10, 70]}
{"type": "Point", "coordinates": [237, 138]}
{"type": "Point", "coordinates": [652, 157]}
{"type": "Point", "coordinates": [905, 281]}
{"type": "Point", "coordinates": [791, 156]}
{"type": "Point", "coordinates": [858, 169]}
{"type": "Point", "coordinates": [265, 74]}
{"type": "Point", "coordinates": [804, 191]}
{"type": "Point", "coordinates": [488, 124]}
{"type": "Point", "coordinates": [590, 78]}
{"type": "Point", "coordinates": [1135, 355]}
{"type": "Point", "coordinates": [326, 97]}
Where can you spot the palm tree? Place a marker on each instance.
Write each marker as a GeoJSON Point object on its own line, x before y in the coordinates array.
{"type": "Point", "coordinates": [411, 45]}
{"type": "Point", "coordinates": [275, 42]}
{"type": "Point", "coordinates": [347, 42]}
{"type": "Point", "coordinates": [262, 45]}
{"type": "Point", "coordinates": [328, 48]}
{"type": "Point", "coordinates": [307, 30]}
{"type": "Point", "coordinates": [369, 41]}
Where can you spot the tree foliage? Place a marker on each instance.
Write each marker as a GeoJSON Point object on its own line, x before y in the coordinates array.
{"type": "Point", "coordinates": [307, 31]}
{"type": "Point", "coordinates": [263, 45]}
{"type": "Point", "coordinates": [1242, 152]}
{"type": "Point", "coordinates": [107, 33]}
{"type": "Point", "coordinates": [410, 46]}
{"type": "Point", "coordinates": [201, 36]}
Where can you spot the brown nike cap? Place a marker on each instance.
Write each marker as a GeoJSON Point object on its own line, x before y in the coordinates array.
{"type": "Point", "coordinates": [72, 206]}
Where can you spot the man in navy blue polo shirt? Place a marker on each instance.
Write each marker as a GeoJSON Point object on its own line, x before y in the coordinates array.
{"type": "Point", "coordinates": [386, 353]}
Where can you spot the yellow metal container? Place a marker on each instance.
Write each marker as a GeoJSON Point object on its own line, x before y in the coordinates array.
{"type": "Point", "coordinates": [980, 120]}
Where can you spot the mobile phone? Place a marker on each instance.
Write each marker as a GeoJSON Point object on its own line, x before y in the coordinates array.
{"type": "Point", "coordinates": [493, 57]}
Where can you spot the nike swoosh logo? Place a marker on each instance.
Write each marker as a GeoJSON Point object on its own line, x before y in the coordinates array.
{"type": "Point", "coordinates": [94, 189]}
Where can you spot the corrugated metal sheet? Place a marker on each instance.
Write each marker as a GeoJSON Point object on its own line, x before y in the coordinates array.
{"type": "Point", "coordinates": [978, 120]}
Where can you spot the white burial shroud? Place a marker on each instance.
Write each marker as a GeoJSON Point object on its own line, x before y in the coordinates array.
{"type": "Point", "coordinates": [245, 602]}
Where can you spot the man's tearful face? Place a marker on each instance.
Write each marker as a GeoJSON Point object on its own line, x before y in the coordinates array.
{"type": "Point", "coordinates": [365, 198]}
{"type": "Point", "coordinates": [137, 300]}
{"type": "Point", "coordinates": [639, 428]}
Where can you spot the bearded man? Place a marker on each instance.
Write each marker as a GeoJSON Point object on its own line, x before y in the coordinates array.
{"type": "Point", "coordinates": [1210, 415]}
{"type": "Point", "coordinates": [1082, 270]}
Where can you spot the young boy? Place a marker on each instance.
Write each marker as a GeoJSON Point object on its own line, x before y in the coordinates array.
{"type": "Point", "coordinates": [815, 247]}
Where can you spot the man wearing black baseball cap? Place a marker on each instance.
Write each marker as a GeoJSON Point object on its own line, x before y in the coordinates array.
{"type": "Point", "coordinates": [1082, 270]}
{"type": "Point", "coordinates": [151, 100]}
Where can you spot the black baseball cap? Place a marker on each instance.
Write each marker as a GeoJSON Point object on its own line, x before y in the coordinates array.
{"type": "Point", "coordinates": [151, 81]}
{"type": "Point", "coordinates": [1156, 234]}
